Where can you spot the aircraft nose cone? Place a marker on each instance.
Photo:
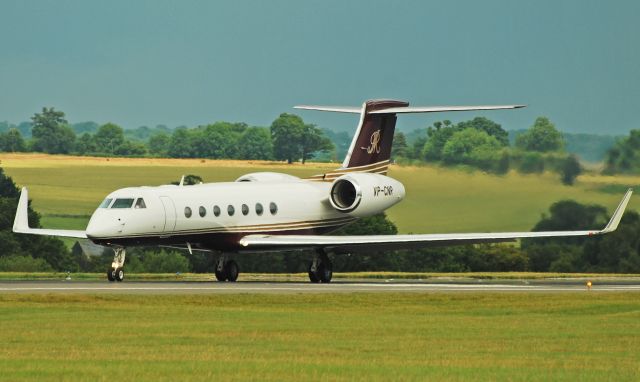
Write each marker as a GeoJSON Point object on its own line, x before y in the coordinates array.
{"type": "Point", "coordinates": [104, 226]}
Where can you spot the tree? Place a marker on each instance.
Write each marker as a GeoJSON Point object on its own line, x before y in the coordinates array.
{"type": "Point", "coordinates": [624, 156]}
{"type": "Point", "coordinates": [472, 146]}
{"type": "Point", "coordinates": [213, 141]}
{"type": "Point", "coordinates": [531, 162]}
{"type": "Point", "coordinates": [286, 134]}
{"type": "Point", "coordinates": [293, 139]}
{"type": "Point", "coordinates": [51, 133]}
{"type": "Point", "coordinates": [180, 145]}
{"type": "Point", "coordinates": [85, 144]}
{"type": "Point", "coordinates": [399, 146]}
{"type": "Point", "coordinates": [437, 137]}
{"type": "Point", "coordinates": [12, 141]}
{"type": "Point", "coordinates": [313, 141]}
{"type": "Point", "coordinates": [108, 138]}
{"type": "Point", "coordinates": [159, 144]}
{"type": "Point", "coordinates": [130, 148]}
{"type": "Point", "coordinates": [542, 137]}
{"type": "Point", "coordinates": [255, 143]}
{"type": "Point", "coordinates": [488, 126]}
{"type": "Point", "coordinates": [570, 168]}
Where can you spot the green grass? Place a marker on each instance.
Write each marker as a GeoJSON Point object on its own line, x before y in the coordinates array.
{"type": "Point", "coordinates": [66, 190]}
{"type": "Point", "coordinates": [533, 337]}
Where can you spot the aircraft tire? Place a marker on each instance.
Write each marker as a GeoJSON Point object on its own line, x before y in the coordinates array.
{"type": "Point", "coordinates": [313, 277]}
{"type": "Point", "coordinates": [221, 275]}
{"type": "Point", "coordinates": [110, 274]}
{"type": "Point", "coordinates": [119, 274]}
{"type": "Point", "coordinates": [232, 270]}
{"type": "Point", "coordinates": [325, 272]}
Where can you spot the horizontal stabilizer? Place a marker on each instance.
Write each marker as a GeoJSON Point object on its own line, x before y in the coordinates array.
{"type": "Point", "coordinates": [380, 242]}
{"type": "Point", "coordinates": [21, 222]}
{"type": "Point", "coordinates": [439, 109]}
{"type": "Point", "coordinates": [407, 109]}
{"type": "Point", "coordinates": [335, 109]}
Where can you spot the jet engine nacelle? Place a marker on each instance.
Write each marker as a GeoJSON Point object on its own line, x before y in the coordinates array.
{"type": "Point", "coordinates": [365, 194]}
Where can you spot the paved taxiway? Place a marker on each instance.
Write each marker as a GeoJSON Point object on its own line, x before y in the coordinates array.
{"type": "Point", "coordinates": [340, 286]}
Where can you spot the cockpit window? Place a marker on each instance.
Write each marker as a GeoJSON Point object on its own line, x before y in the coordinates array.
{"type": "Point", "coordinates": [140, 203]}
{"type": "Point", "coordinates": [105, 203]}
{"type": "Point", "coordinates": [122, 203]}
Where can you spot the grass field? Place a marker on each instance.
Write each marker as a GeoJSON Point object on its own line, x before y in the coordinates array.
{"type": "Point", "coordinates": [66, 190]}
{"type": "Point", "coordinates": [534, 337]}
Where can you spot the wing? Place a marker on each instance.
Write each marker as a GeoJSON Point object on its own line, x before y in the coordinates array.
{"type": "Point", "coordinates": [21, 222]}
{"type": "Point", "coordinates": [355, 243]}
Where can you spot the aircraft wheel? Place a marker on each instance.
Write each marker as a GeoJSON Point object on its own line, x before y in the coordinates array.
{"type": "Point", "coordinates": [325, 272]}
{"type": "Point", "coordinates": [232, 270]}
{"type": "Point", "coordinates": [111, 274]}
{"type": "Point", "coordinates": [221, 275]}
{"type": "Point", "coordinates": [119, 274]}
{"type": "Point", "coordinates": [313, 277]}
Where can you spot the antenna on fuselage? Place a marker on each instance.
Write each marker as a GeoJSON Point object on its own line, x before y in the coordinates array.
{"type": "Point", "coordinates": [181, 181]}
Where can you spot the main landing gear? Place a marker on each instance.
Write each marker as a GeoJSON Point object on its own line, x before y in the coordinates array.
{"type": "Point", "coordinates": [116, 272]}
{"type": "Point", "coordinates": [227, 270]}
{"type": "Point", "coordinates": [320, 269]}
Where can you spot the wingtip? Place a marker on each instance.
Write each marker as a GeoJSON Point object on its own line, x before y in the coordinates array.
{"type": "Point", "coordinates": [21, 221]}
{"type": "Point", "coordinates": [617, 214]}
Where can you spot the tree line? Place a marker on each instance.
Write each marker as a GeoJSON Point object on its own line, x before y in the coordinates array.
{"type": "Point", "coordinates": [288, 138]}
{"type": "Point", "coordinates": [482, 143]}
{"type": "Point", "coordinates": [476, 143]}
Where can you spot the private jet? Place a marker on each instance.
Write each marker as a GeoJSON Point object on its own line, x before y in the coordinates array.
{"type": "Point", "coordinates": [268, 211]}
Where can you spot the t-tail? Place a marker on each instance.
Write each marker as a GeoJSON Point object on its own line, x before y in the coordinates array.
{"type": "Point", "coordinates": [370, 149]}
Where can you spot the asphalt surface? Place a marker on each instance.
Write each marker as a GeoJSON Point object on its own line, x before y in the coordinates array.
{"type": "Point", "coordinates": [339, 286]}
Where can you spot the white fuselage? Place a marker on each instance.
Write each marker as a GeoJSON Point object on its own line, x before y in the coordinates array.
{"type": "Point", "coordinates": [215, 216]}
{"type": "Point", "coordinates": [263, 206]}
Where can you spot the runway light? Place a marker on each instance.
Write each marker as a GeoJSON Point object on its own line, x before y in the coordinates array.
{"type": "Point", "coordinates": [589, 284]}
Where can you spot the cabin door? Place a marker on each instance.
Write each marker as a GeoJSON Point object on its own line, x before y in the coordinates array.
{"type": "Point", "coordinates": [169, 214]}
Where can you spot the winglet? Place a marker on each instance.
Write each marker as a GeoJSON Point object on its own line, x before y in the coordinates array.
{"type": "Point", "coordinates": [617, 215]}
{"type": "Point", "coordinates": [21, 222]}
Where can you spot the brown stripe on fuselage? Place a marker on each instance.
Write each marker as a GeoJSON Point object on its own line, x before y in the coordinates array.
{"type": "Point", "coordinates": [247, 228]}
{"type": "Point", "coordinates": [378, 168]}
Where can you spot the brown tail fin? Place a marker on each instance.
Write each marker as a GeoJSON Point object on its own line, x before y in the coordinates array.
{"type": "Point", "coordinates": [370, 149]}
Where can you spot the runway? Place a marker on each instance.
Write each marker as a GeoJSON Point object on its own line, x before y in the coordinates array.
{"type": "Point", "coordinates": [341, 286]}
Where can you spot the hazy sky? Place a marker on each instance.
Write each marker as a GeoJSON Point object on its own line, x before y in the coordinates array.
{"type": "Point", "coordinates": [193, 62]}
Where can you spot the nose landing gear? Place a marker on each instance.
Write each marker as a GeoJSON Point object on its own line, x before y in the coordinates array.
{"type": "Point", "coordinates": [116, 272]}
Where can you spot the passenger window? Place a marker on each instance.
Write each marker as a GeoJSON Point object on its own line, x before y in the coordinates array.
{"type": "Point", "coordinates": [122, 203]}
{"type": "Point", "coordinates": [259, 209]}
{"type": "Point", "coordinates": [245, 209]}
{"type": "Point", "coordinates": [105, 203]}
{"type": "Point", "coordinates": [202, 211]}
{"type": "Point", "coordinates": [216, 210]}
{"type": "Point", "coordinates": [273, 208]}
{"type": "Point", "coordinates": [187, 212]}
{"type": "Point", "coordinates": [140, 203]}
{"type": "Point", "coordinates": [231, 210]}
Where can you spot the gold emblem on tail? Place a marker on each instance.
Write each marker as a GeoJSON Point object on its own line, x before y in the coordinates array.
{"type": "Point", "coordinates": [375, 143]}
